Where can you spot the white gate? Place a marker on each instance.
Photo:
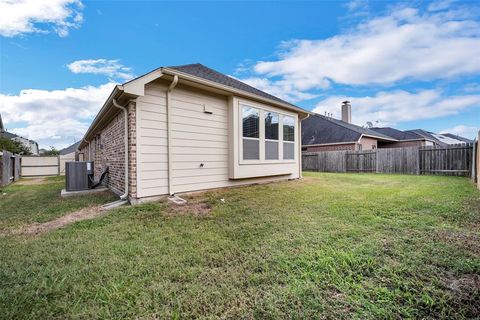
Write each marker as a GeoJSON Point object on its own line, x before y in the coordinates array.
{"type": "Point", "coordinates": [40, 166]}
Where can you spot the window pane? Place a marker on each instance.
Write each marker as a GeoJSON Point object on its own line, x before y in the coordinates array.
{"type": "Point", "coordinates": [251, 149]}
{"type": "Point", "coordinates": [288, 129]}
{"type": "Point", "coordinates": [288, 151]}
{"type": "Point", "coordinates": [271, 150]}
{"type": "Point", "coordinates": [251, 122]}
{"type": "Point", "coordinates": [271, 125]}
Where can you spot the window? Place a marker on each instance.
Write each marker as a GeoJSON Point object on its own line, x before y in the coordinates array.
{"type": "Point", "coordinates": [288, 129]}
{"type": "Point", "coordinates": [251, 133]}
{"type": "Point", "coordinates": [271, 135]}
{"type": "Point", "coordinates": [288, 138]}
{"type": "Point", "coordinates": [251, 123]}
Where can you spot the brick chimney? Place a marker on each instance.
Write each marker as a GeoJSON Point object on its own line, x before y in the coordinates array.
{"type": "Point", "coordinates": [346, 111]}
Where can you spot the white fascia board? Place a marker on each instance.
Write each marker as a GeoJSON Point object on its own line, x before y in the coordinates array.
{"type": "Point", "coordinates": [136, 87]}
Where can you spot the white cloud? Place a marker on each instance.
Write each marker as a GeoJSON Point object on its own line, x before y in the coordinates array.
{"type": "Point", "coordinates": [19, 17]}
{"type": "Point", "coordinates": [280, 89]}
{"type": "Point", "coordinates": [463, 131]}
{"type": "Point", "coordinates": [56, 117]}
{"type": "Point", "coordinates": [406, 44]}
{"type": "Point", "coordinates": [110, 68]}
{"type": "Point", "coordinates": [355, 5]}
{"type": "Point", "coordinates": [389, 108]}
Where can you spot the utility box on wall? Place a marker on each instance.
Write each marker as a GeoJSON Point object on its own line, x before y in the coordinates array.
{"type": "Point", "coordinates": [78, 175]}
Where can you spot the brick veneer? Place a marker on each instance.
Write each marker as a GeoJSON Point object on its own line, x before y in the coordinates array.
{"type": "Point", "coordinates": [107, 149]}
{"type": "Point", "coordinates": [331, 147]}
{"type": "Point", "coordinates": [403, 144]}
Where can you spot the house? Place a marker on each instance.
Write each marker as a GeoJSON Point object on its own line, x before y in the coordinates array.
{"type": "Point", "coordinates": [404, 138]}
{"type": "Point", "coordinates": [187, 128]}
{"type": "Point", "coordinates": [30, 145]}
{"type": "Point", "coordinates": [70, 150]}
{"type": "Point", "coordinates": [458, 138]}
{"type": "Point", "coordinates": [67, 154]}
{"type": "Point", "coordinates": [324, 133]}
{"type": "Point", "coordinates": [440, 140]}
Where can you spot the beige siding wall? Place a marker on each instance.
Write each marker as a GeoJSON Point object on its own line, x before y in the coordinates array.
{"type": "Point", "coordinates": [200, 142]}
{"type": "Point", "coordinates": [152, 162]}
{"type": "Point", "coordinates": [368, 143]}
{"type": "Point", "coordinates": [199, 138]}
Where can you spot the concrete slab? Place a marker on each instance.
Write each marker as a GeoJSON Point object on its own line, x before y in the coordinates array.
{"type": "Point", "coordinates": [65, 193]}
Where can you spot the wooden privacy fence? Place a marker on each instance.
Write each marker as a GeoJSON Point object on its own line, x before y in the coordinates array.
{"type": "Point", "coordinates": [9, 167]}
{"type": "Point", "coordinates": [452, 160]}
{"type": "Point", "coordinates": [40, 166]}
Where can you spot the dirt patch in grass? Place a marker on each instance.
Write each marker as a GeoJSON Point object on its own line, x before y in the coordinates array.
{"type": "Point", "coordinates": [38, 228]}
{"type": "Point", "coordinates": [463, 240]}
{"type": "Point", "coordinates": [196, 206]}
{"type": "Point", "coordinates": [465, 289]}
{"type": "Point", "coordinates": [32, 181]}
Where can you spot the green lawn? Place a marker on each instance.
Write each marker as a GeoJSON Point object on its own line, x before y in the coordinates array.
{"type": "Point", "coordinates": [23, 203]}
{"type": "Point", "coordinates": [330, 246]}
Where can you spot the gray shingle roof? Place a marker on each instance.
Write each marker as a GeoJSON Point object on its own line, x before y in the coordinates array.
{"type": "Point", "coordinates": [397, 134]}
{"type": "Point", "coordinates": [454, 136]}
{"type": "Point", "coordinates": [318, 129]}
{"type": "Point", "coordinates": [70, 149]}
{"type": "Point", "coordinates": [427, 135]}
{"type": "Point", "coordinates": [201, 71]}
{"type": "Point", "coordinates": [8, 135]}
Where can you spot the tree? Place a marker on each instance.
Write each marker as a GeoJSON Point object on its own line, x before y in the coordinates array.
{"type": "Point", "coordinates": [13, 146]}
{"type": "Point", "coordinates": [52, 152]}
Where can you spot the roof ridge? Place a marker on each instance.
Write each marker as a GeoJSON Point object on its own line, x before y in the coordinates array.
{"type": "Point", "coordinates": [334, 122]}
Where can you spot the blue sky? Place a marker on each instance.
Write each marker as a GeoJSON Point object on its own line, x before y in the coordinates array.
{"type": "Point", "coordinates": [407, 64]}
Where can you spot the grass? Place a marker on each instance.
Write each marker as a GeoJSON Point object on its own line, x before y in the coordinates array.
{"type": "Point", "coordinates": [23, 203]}
{"type": "Point", "coordinates": [337, 246]}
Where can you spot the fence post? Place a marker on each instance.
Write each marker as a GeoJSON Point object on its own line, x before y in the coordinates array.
{"type": "Point", "coordinates": [419, 158]}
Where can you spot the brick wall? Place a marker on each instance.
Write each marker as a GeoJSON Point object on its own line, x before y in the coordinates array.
{"type": "Point", "coordinates": [368, 143]}
{"type": "Point", "coordinates": [107, 149]}
{"type": "Point", "coordinates": [331, 147]}
{"type": "Point", "coordinates": [402, 144]}
{"type": "Point", "coordinates": [132, 151]}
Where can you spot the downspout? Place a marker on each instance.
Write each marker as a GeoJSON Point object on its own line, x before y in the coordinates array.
{"type": "Point", "coordinates": [300, 172]}
{"type": "Point", "coordinates": [125, 113]}
{"type": "Point", "coordinates": [169, 134]}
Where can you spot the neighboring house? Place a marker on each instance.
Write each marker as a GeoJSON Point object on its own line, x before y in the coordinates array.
{"type": "Point", "coordinates": [457, 138]}
{"type": "Point", "coordinates": [67, 154]}
{"type": "Point", "coordinates": [29, 144]}
{"type": "Point", "coordinates": [439, 140]}
{"type": "Point", "coordinates": [322, 133]}
{"type": "Point", "coordinates": [404, 138]}
{"type": "Point", "coordinates": [191, 128]}
{"type": "Point", "coordinates": [70, 150]}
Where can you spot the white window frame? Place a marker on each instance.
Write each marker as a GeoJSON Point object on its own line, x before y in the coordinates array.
{"type": "Point", "coordinates": [272, 140]}
{"type": "Point", "coordinates": [250, 138]}
{"type": "Point", "coordinates": [294, 138]}
{"type": "Point", "coordinates": [281, 113]}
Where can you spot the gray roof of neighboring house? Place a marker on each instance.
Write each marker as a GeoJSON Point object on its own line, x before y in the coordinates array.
{"type": "Point", "coordinates": [318, 129]}
{"type": "Point", "coordinates": [201, 71]}
{"type": "Point", "coordinates": [454, 136]}
{"type": "Point", "coordinates": [397, 134]}
{"type": "Point", "coordinates": [8, 135]}
{"type": "Point", "coordinates": [428, 135]}
{"type": "Point", "coordinates": [70, 149]}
